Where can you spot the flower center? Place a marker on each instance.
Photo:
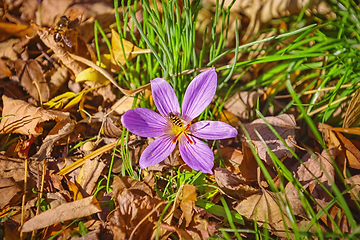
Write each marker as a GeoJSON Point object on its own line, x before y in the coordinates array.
{"type": "Point", "coordinates": [178, 128]}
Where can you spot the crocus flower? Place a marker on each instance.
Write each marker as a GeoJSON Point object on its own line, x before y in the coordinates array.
{"type": "Point", "coordinates": [171, 127]}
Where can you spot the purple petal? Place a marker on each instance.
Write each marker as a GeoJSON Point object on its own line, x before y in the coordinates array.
{"type": "Point", "coordinates": [157, 151]}
{"type": "Point", "coordinates": [144, 122]}
{"type": "Point", "coordinates": [213, 130]}
{"type": "Point", "coordinates": [199, 94]}
{"type": "Point", "coordinates": [197, 155]}
{"type": "Point", "coordinates": [164, 97]}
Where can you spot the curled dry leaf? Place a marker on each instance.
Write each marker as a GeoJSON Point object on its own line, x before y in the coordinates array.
{"type": "Point", "coordinates": [188, 202]}
{"type": "Point", "coordinates": [90, 173]}
{"type": "Point", "coordinates": [23, 118]}
{"type": "Point", "coordinates": [284, 125]}
{"type": "Point", "coordinates": [135, 216]}
{"type": "Point", "coordinates": [77, 209]}
{"type": "Point", "coordinates": [349, 154]}
{"type": "Point", "coordinates": [242, 103]}
{"type": "Point", "coordinates": [354, 183]}
{"type": "Point", "coordinates": [7, 49]}
{"type": "Point", "coordinates": [121, 47]}
{"type": "Point", "coordinates": [337, 215]}
{"type": "Point", "coordinates": [352, 115]}
{"type": "Point", "coordinates": [57, 79]}
{"type": "Point", "coordinates": [58, 49]}
{"type": "Point", "coordinates": [32, 80]}
{"type": "Point", "coordinates": [110, 129]}
{"type": "Point", "coordinates": [232, 184]}
{"type": "Point", "coordinates": [263, 208]}
{"type": "Point", "coordinates": [316, 168]}
{"type": "Point", "coordinates": [262, 11]}
{"type": "Point", "coordinates": [9, 192]}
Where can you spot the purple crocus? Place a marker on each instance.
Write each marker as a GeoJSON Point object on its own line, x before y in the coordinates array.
{"type": "Point", "coordinates": [171, 127]}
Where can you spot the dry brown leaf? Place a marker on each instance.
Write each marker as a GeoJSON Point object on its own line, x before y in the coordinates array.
{"type": "Point", "coordinates": [4, 69]}
{"type": "Point", "coordinates": [291, 199]}
{"type": "Point", "coordinates": [284, 125]}
{"type": "Point", "coordinates": [241, 104]}
{"type": "Point", "coordinates": [11, 29]}
{"type": "Point", "coordinates": [77, 209]}
{"type": "Point", "coordinates": [262, 11]}
{"type": "Point", "coordinates": [25, 118]}
{"type": "Point", "coordinates": [354, 183]}
{"type": "Point", "coordinates": [57, 79]}
{"type": "Point", "coordinates": [110, 129]}
{"type": "Point", "coordinates": [183, 234]}
{"type": "Point", "coordinates": [263, 208]}
{"type": "Point", "coordinates": [232, 184]}
{"type": "Point", "coordinates": [353, 111]}
{"type": "Point", "coordinates": [12, 168]}
{"type": "Point", "coordinates": [7, 49]}
{"type": "Point", "coordinates": [233, 157]}
{"type": "Point", "coordinates": [90, 173]}
{"type": "Point", "coordinates": [349, 153]}
{"type": "Point", "coordinates": [248, 166]}
{"type": "Point", "coordinates": [188, 202]}
{"type": "Point", "coordinates": [135, 216]}
{"type": "Point", "coordinates": [9, 192]}
{"type": "Point", "coordinates": [316, 167]}
{"type": "Point", "coordinates": [337, 215]}
{"type": "Point", "coordinates": [58, 49]}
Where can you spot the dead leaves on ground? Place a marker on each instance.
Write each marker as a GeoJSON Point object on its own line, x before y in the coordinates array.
{"type": "Point", "coordinates": [53, 76]}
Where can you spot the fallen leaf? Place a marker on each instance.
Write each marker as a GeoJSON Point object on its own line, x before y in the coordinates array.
{"type": "Point", "coordinates": [24, 118]}
{"type": "Point", "coordinates": [7, 49]}
{"type": "Point", "coordinates": [284, 125]}
{"type": "Point", "coordinates": [90, 173]}
{"type": "Point", "coordinates": [354, 183]}
{"type": "Point", "coordinates": [291, 199]}
{"type": "Point", "coordinates": [263, 208]}
{"type": "Point", "coordinates": [183, 235]}
{"type": "Point", "coordinates": [337, 214]}
{"type": "Point", "coordinates": [133, 206]}
{"type": "Point", "coordinates": [352, 115]}
{"type": "Point", "coordinates": [316, 168]}
{"type": "Point", "coordinates": [4, 69]}
{"type": "Point", "coordinates": [90, 74]}
{"type": "Point", "coordinates": [9, 192]}
{"type": "Point", "coordinates": [60, 130]}
{"type": "Point", "coordinates": [68, 211]}
{"type": "Point", "coordinates": [110, 129]}
{"type": "Point", "coordinates": [32, 80]}
{"type": "Point", "coordinates": [121, 47]}
{"type": "Point", "coordinates": [57, 79]}
{"type": "Point", "coordinates": [188, 202]}
{"type": "Point", "coordinates": [349, 153]}
{"type": "Point", "coordinates": [241, 104]}
{"type": "Point", "coordinates": [232, 184]}
{"type": "Point", "coordinates": [11, 29]}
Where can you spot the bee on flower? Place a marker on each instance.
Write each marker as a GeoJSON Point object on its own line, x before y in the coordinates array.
{"type": "Point", "coordinates": [170, 127]}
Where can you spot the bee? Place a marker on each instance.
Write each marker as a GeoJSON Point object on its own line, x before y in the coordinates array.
{"type": "Point", "coordinates": [60, 30]}
{"type": "Point", "coordinates": [175, 120]}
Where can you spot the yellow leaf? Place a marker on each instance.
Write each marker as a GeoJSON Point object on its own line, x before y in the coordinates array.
{"type": "Point", "coordinates": [57, 101]}
{"type": "Point", "coordinates": [130, 49]}
{"type": "Point", "coordinates": [73, 102]}
{"type": "Point", "coordinates": [90, 74]}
